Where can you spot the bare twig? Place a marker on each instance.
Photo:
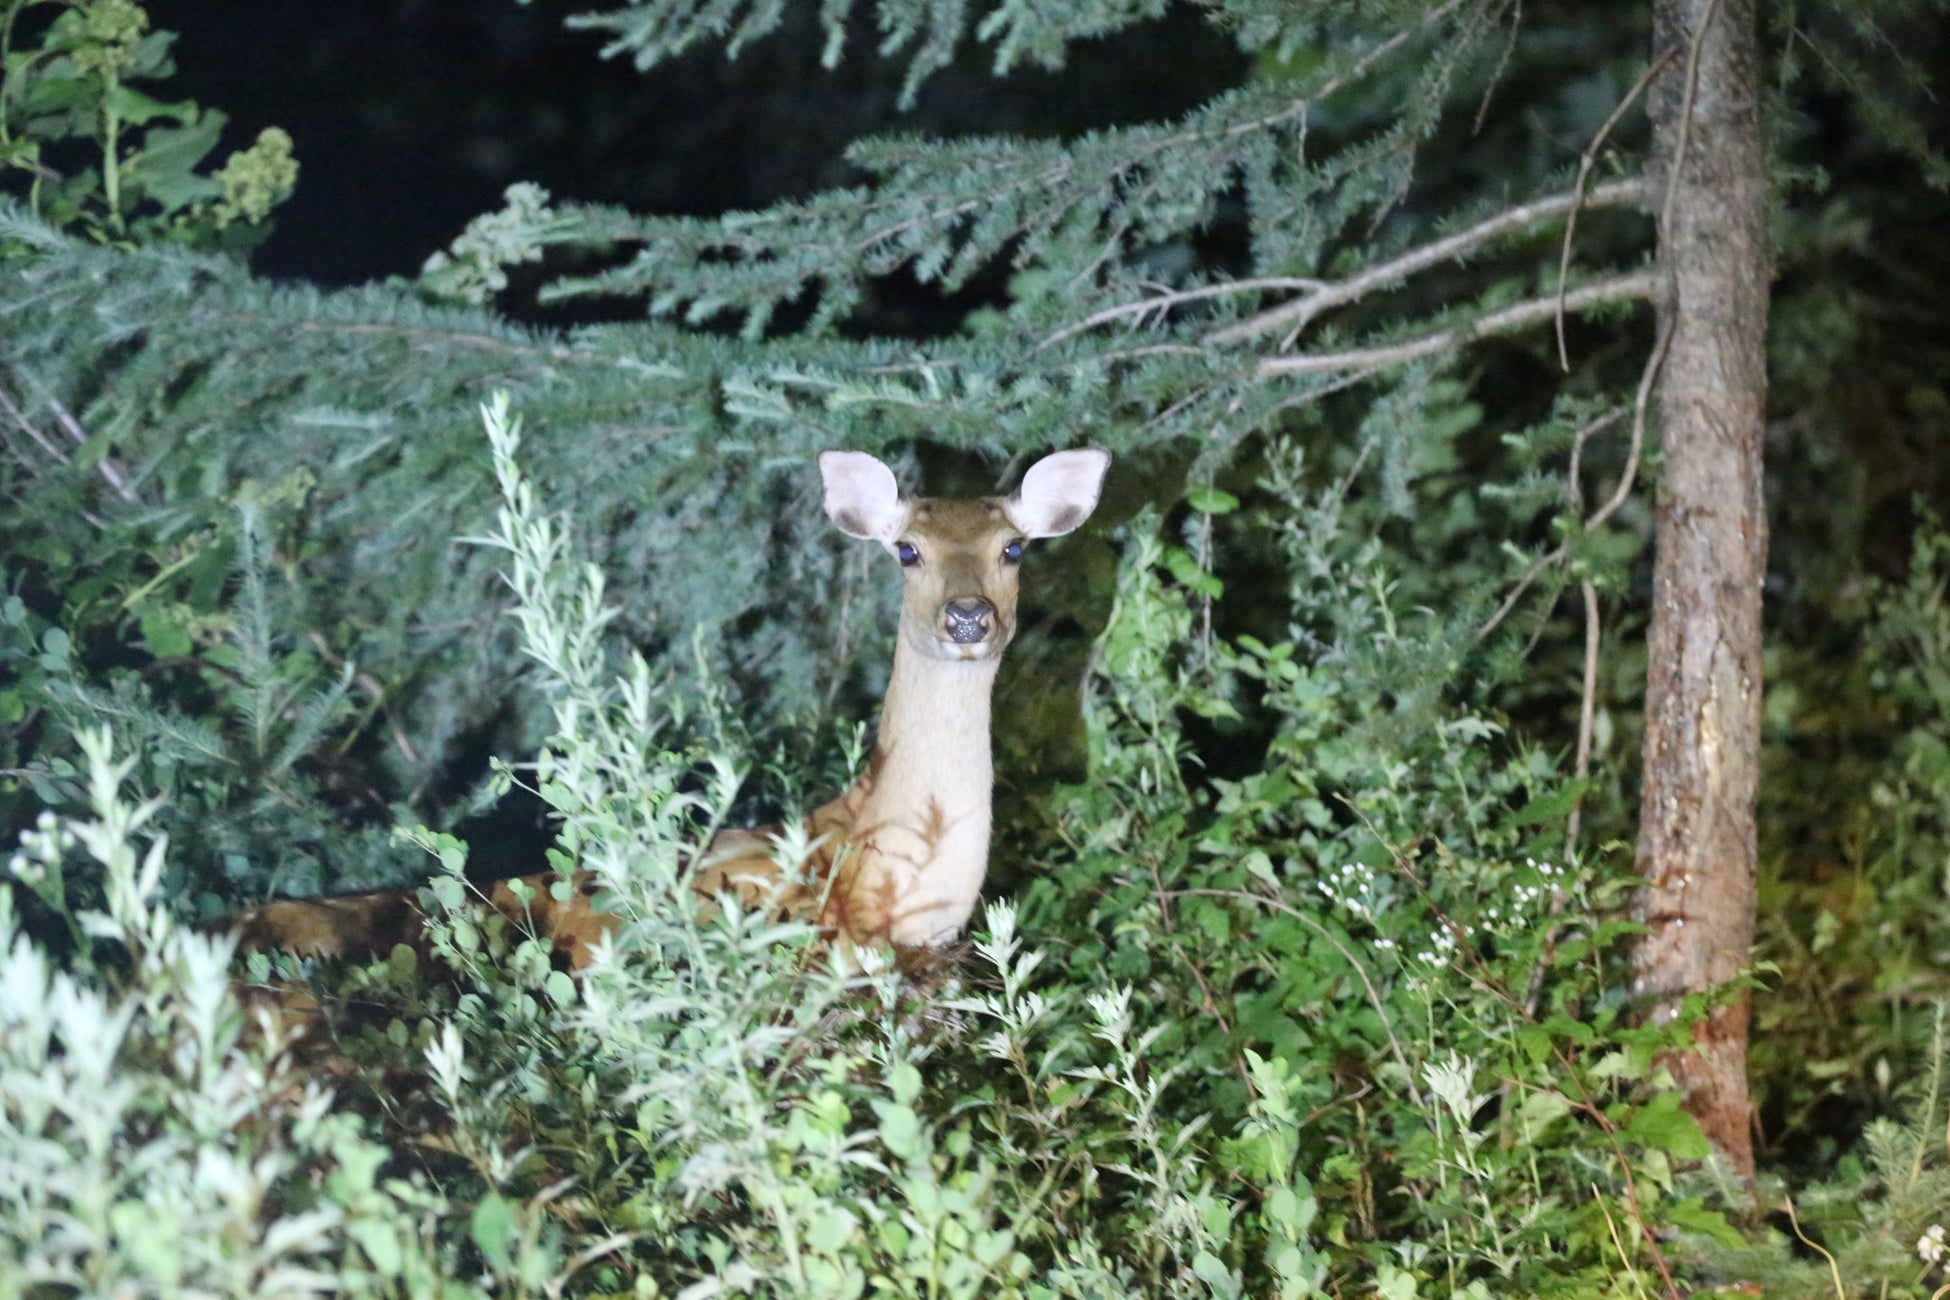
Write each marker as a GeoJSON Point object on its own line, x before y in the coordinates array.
{"type": "Point", "coordinates": [1553, 556]}
{"type": "Point", "coordinates": [1834, 1270]}
{"type": "Point", "coordinates": [1574, 476]}
{"type": "Point", "coordinates": [28, 427]}
{"type": "Point", "coordinates": [1318, 297]}
{"type": "Point", "coordinates": [1585, 164]}
{"type": "Point", "coordinates": [1640, 403]}
{"type": "Point", "coordinates": [1211, 1005]}
{"type": "Point", "coordinates": [1163, 302]}
{"type": "Point", "coordinates": [1587, 710]}
{"type": "Point", "coordinates": [1502, 66]}
{"type": "Point", "coordinates": [1617, 1241]}
{"type": "Point", "coordinates": [1643, 285]}
{"type": "Point", "coordinates": [106, 466]}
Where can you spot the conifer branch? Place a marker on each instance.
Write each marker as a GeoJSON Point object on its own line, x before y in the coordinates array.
{"type": "Point", "coordinates": [1641, 285]}
{"type": "Point", "coordinates": [1318, 297]}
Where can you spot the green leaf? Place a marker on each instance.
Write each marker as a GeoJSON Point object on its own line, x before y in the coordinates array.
{"type": "Point", "coordinates": [402, 962]}
{"type": "Point", "coordinates": [1551, 807]}
{"type": "Point", "coordinates": [831, 1228]}
{"type": "Point", "coordinates": [165, 638]}
{"type": "Point", "coordinates": [1538, 1111]}
{"type": "Point", "coordinates": [904, 1081]}
{"type": "Point", "coordinates": [1212, 501]}
{"type": "Point", "coordinates": [900, 1130]}
{"type": "Point", "coordinates": [1660, 1125]}
{"type": "Point", "coordinates": [1211, 1270]}
{"type": "Point", "coordinates": [1535, 1041]}
{"type": "Point", "coordinates": [166, 165]}
{"type": "Point", "coordinates": [1693, 1216]}
{"type": "Point", "coordinates": [448, 891]}
{"type": "Point", "coordinates": [493, 1229]}
{"type": "Point", "coordinates": [380, 1243]}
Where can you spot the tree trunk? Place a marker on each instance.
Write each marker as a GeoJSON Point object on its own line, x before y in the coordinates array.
{"type": "Point", "coordinates": [1696, 848]}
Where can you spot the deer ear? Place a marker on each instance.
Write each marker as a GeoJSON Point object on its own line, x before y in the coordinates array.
{"type": "Point", "coordinates": [862, 498]}
{"type": "Point", "coordinates": [1059, 492]}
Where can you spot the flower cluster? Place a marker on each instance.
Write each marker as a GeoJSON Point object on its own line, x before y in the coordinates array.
{"type": "Point", "coordinates": [1355, 888]}
{"type": "Point", "coordinates": [1930, 1246]}
{"type": "Point", "coordinates": [40, 845]}
{"type": "Point", "coordinates": [1442, 945]}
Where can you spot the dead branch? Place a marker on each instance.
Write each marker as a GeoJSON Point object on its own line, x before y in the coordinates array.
{"type": "Point", "coordinates": [1163, 302]}
{"type": "Point", "coordinates": [1641, 285]}
{"type": "Point", "coordinates": [1317, 297]}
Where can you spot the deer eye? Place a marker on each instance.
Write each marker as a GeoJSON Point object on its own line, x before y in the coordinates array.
{"type": "Point", "coordinates": [1013, 551]}
{"type": "Point", "coordinates": [908, 554]}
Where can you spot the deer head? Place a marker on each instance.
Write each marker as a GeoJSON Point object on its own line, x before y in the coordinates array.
{"type": "Point", "coordinates": [960, 557]}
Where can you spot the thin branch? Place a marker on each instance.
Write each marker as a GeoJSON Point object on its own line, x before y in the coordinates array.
{"type": "Point", "coordinates": [107, 467]}
{"type": "Point", "coordinates": [1641, 285]}
{"type": "Point", "coordinates": [1640, 404]}
{"type": "Point", "coordinates": [1374, 995]}
{"type": "Point", "coordinates": [1587, 711]}
{"type": "Point", "coordinates": [1834, 1270]}
{"type": "Point", "coordinates": [415, 333]}
{"type": "Point", "coordinates": [1551, 557]}
{"type": "Point", "coordinates": [1585, 164]}
{"type": "Point", "coordinates": [1163, 302]}
{"type": "Point", "coordinates": [27, 426]}
{"type": "Point", "coordinates": [1678, 165]}
{"type": "Point", "coordinates": [1354, 73]}
{"type": "Point", "coordinates": [1619, 494]}
{"type": "Point", "coordinates": [1314, 301]}
{"type": "Point", "coordinates": [1502, 66]}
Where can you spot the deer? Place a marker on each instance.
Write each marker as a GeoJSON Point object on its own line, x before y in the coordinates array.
{"type": "Point", "coordinates": [898, 859]}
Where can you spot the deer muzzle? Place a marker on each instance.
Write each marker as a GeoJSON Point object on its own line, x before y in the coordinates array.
{"type": "Point", "coordinates": [968, 621]}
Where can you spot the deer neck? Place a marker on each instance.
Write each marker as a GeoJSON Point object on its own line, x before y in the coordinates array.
{"type": "Point", "coordinates": [920, 839]}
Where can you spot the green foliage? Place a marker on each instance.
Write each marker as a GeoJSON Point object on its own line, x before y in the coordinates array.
{"type": "Point", "coordinates": [155, 1139]}
{"type": "Point", "coordinates": [135, 429]}
{"type": "Point", "coordinates": [654, 31]}
{"type": "Point", "coordinates": [1187, 1083]}
{"type": "Point", "coordinates": [93, 153]}
{"type": "Point", "coordinates": [1301, 989]}
{"type": "Point", "coordinates": [1877, 1227]}
{"type": "Point", "coordinates": [1382, 905]}
{"type": "Point", "coordinates": [1857, 940]}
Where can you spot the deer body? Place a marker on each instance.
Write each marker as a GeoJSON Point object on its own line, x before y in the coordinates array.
{"type": "Point", "coordinates": [899, 858]}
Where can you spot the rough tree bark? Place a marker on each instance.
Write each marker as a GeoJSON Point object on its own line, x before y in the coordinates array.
{"type": "Point", "coordinates": [1696, 847]}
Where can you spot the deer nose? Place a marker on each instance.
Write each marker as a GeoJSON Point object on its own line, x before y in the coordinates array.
{"type": "Point", "coordinates": [967, 620]}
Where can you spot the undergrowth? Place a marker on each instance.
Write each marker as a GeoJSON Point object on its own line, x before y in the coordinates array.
{"type": "Point", "coordinates": [1349, 1024]}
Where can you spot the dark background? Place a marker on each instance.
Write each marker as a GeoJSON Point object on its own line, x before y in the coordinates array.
{"type": "Point", "coordinates": [410, 117]}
